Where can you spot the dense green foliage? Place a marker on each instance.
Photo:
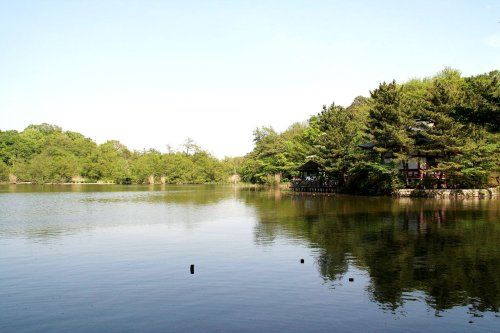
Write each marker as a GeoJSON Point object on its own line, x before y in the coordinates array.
{"type": "Point", "coordinates": [463, 141]}
{"type": "Point", "coordinates": [463, 138]}
{"type": "Point", "coordinates": [46, 153]}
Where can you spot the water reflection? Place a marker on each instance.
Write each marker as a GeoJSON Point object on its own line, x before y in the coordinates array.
{"type": "Point", "coordinates": [441, 252]}
{"type": "Point", "coordinates": [44, 213]}
{"type": "Point", "coordinates": [446, 249]}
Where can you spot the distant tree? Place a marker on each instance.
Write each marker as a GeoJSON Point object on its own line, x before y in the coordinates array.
{"type": "Point", "coordinates": [179, 169]}
{"type": "Point", "coordinates": [10, 146]}
{"type": "Point", "coordinates": [4, 171]}
{"type": "Point", "coordinates": [190, 146]}
{"type": "Point", "coordinates": [110, 163]}
{"type": "Point", "coordinates": [52, 165]}
{"type": "Point", "coordinates": [267, 158]}
{"type": "Point", "coordinates": [360, 107]}
{"type": "Point", "coordinates": [146, 164]}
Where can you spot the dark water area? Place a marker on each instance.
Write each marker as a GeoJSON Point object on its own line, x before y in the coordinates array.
{"type": "Point", "coordinates": [98, 258]}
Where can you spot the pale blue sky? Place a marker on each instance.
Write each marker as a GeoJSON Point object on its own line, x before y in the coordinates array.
{"type": "Point", "coordinates": [151, 73]}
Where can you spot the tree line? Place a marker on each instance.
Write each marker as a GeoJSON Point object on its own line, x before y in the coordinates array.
{"type": "Point", "coordinates": [46, 154]}
{"type": "Point", "coordinates": [465, 111]}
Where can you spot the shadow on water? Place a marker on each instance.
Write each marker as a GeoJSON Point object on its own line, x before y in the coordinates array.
{"type": "Point", "coordinates": [447, 249]}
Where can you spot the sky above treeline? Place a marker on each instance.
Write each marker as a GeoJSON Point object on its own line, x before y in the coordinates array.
{"type": "Point", "coordinates": [152, 73]}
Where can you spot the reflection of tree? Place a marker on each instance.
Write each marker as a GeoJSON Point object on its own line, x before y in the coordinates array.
{"type": "Point", "coordinates": [61, 214]}
{"type": "Point", "coordinates": [447, 249]}
{"type": "Point", "coordinates": [191, 194]}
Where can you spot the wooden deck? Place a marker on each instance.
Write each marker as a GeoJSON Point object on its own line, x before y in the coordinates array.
{"type": "Point", "coordinates": [325, 186]}
{"type": "Point", "coordinates": [422, 174]}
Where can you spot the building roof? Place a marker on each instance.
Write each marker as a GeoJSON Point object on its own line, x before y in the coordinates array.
{"type": "Point", "coordinates": [311, 166]}
{"type": "Point", "coordinates": [366, 145]}
{"type": "Point", "coordinates": [422, 125]}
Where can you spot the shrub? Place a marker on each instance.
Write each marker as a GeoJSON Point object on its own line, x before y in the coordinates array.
{"type": "Point", "coordinates": [470, 178]}
{"type": "Point", "coordinates": [4, 172]}
{"type": "Point", "coordinates": [367, 178]}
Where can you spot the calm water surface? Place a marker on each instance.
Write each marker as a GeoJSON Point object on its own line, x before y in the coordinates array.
{"type": "Point", "coordinates": [116, 259]}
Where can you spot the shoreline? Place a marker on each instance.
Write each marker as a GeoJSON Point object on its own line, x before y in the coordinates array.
{"type": "Point", "coordinates": [492, 192]}
{"type": "Point", "coordinates": [247, 185]}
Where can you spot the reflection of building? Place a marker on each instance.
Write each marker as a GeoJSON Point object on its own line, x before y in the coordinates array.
{"type": "Point", "coordinates": [419, 221]}
{"type": "Point", "coordinates": [417, 170]}
{"type": "Point", "coordinates": [410, 249]}
{"type": "Point", "coordinates": [313, 178]}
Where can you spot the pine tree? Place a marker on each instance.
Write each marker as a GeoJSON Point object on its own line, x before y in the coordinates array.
{"type": "Point", "coordinates": [390, 122]}
{"type": "Point", "coordinates": [336, 146]}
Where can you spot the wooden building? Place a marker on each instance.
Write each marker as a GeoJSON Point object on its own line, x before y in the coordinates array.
{"type": "Point", "coordinates": [417, 169]}
{"type": "Point", "coordinates": [313, 178]}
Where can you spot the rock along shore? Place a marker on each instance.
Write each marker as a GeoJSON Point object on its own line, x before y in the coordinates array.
{"type": "Point", "coordinates": [447, 193]}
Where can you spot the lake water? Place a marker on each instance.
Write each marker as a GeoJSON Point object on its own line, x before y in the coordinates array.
{"type": "Point", "coordinates": [90, 258]}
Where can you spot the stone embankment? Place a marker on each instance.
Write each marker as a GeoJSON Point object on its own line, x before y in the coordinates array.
{"type": "Point", "coordinates": [447, 193]}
